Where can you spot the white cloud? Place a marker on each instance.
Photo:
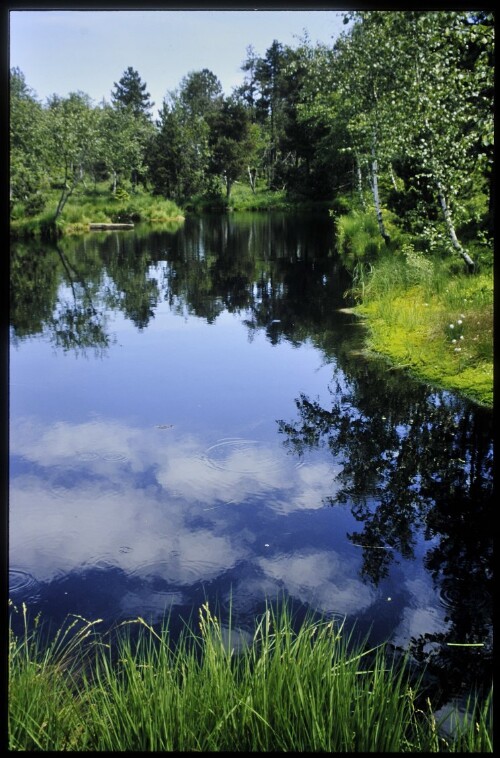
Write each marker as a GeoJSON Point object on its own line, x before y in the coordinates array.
{"type": "Point", "coordinates": [322, 579]}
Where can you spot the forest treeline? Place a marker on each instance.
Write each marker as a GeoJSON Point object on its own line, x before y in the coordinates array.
{"type": "Point", "coordinates": [396, 116]}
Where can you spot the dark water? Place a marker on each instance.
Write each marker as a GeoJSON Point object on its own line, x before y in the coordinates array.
{"type": "Point", "coordinates": [191, 417]}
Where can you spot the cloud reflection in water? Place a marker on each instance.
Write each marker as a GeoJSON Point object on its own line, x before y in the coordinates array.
{"type": "Point", "coordinates": [93, 487]}
{"type": "Point", "coordinates": [161, 505]}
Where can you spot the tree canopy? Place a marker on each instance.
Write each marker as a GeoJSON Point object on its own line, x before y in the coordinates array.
{"type": "Point", "coordinates": [396, 116]}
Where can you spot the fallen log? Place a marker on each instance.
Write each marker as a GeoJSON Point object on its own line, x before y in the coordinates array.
{"type": "Point", "coordinates": [101, 227]}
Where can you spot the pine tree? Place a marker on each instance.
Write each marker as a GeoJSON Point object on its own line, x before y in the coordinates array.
{"type": "Point", "coordinates": [130, 93]}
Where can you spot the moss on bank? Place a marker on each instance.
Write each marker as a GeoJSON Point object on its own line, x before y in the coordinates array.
{"type": "Point", "coordinates": [448, 347]}
{"type": "Point", "coordinates": [424, 313]}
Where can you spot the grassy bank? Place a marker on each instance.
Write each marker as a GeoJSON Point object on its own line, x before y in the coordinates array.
{"type": "Point", "coordinates": [93, 205]}
{"type": "Point", "coordinates": [98, 205]}
{"type": "Point", "coordinates": [425, 314]}
{"type": "Point", "coordinates": [263, 199]}
{"type": "Point", "coordinates": [311, 690]}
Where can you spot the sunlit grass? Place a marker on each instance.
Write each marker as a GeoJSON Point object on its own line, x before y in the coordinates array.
{"type": "Point", "coordinates": [98, 205]}
{"type": "Point", "coordinates": [242, 198]}
{"type": "Point", "coordinates": [311, 689]}
{"type": "Point", "coordinates": [436, 323]}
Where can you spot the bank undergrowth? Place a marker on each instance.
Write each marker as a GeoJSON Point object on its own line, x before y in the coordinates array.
{"type": "Point", "coordinates": [285, 690]}
{"type": "Point", "coordinates": [424, 312]}
{"type": "Point", "coordinates": [94, 205]}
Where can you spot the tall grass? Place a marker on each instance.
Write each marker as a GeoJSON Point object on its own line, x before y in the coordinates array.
{"type": "Point", "coordinates": [357, 236]}
{"type": "Point", "coordinates": [308, 690]}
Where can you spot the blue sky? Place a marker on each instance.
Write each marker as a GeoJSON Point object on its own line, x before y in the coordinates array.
{"type": "Point", "coordinates": [64, 51]}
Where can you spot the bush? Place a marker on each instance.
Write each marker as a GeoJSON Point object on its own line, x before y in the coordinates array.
{"type": "Point", "coordinates": [358, 238]}
{"type": "Point", "coordinates": [35, 204]}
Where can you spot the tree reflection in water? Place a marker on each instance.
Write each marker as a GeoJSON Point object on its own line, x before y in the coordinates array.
{"type": "Point", "coordinates": [415, 463]}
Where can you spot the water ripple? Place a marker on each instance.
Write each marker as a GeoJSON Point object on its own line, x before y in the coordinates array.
{"type": "Point", "coordinates": [453, 596]}
{"type": "Point", "coordinates": [86, 456]}
{"type": "Point", "coordinates": [242, 456]}
{"type": "Point", "coordinates": [179, 572]}
{"type": "Point", "coordinates": [114, 456]}
{"type": "Point", "coordinates": [21, 582]}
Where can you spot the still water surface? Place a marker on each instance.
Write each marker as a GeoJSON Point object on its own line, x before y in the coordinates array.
{"type": "Point", "coordinates": [191, 418]}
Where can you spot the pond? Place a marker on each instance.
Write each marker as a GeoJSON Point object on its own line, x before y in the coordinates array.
{"type": "Point", "coordinates": [192, 417]}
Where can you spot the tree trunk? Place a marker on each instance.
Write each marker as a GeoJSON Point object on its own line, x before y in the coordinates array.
{"type": "Point", "coordinates": [376, 199]}
{"type": "Point", "coordinates": [393, 178]}
{"type": "Point", "coordinates": [67, 191]}
{"type": "Point", "coordinates": [252, 175]}
{"type": "Point", "coordinates": [451, 229]}
{"type": "Point", "coordinates": [359, 178]}
{"type": "Point", "coordinates": [65, 194]}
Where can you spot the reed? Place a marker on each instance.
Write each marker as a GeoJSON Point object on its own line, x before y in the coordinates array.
{"type": "Point", "coordinates": [311, 689]}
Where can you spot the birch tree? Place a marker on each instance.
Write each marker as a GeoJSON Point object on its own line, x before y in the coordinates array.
{"type": "Point", "coordinates": [73, 141]}
{"type": "Point", "coordinates": [364, 80]}
{"type": "Point", "coordinates": [449, 109]}
{"type": "Point", "coordinates": [436, 108]}
{"type": "Point", "coordinates": [123, 139]}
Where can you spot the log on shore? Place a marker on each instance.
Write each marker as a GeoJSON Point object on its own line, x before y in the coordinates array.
{"type": "Point", "coordinates": [101, 227]}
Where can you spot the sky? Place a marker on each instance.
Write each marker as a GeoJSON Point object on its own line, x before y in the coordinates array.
{"type": "Point", "coordinates": [66, 51]}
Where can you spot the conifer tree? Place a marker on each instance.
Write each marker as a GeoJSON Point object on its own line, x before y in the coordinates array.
{"type": "Point", "coordinates": [130, 93]}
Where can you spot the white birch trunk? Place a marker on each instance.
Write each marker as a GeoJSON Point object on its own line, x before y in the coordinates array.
{"type": "Point", "coordinates": [393, 178]}
{"type": "Point", "coordinates": [359, 178]}
{"type": "Point", "coordinates": [252, 175]}
{"type": "Point", "coordinates": [376, 199]}
{"type": "Point", "coordinates": [451, 229]}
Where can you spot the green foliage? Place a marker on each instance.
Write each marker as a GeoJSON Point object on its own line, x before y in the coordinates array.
{"type": "Point", "coordinates": [306, 689]}
{"type": "Point", "coordinates": [122, 194]}
{"type": "Point", "coordinates": [97, 205]}
{"type": "Point", "coordinates": [28, 147]}
{"type": "Point", "coordinates": [242, 198]}
{"type": "Point", "coordinates": [233, 140]}
{"type": "Point", "coordinates": [399, 107]}
{"type": "Point", "coordinates": [124, 135]}
{"type": "Point", "coordinates": [178, 155]}
{"type": "Point", "coordinates": [413, 90]}
{"type": "Point", "coordinates": [357, 236]}
{"type": "Point", "coordinates": [200, 94]}
{"type": "Point", "coordinates": [419, 269]}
